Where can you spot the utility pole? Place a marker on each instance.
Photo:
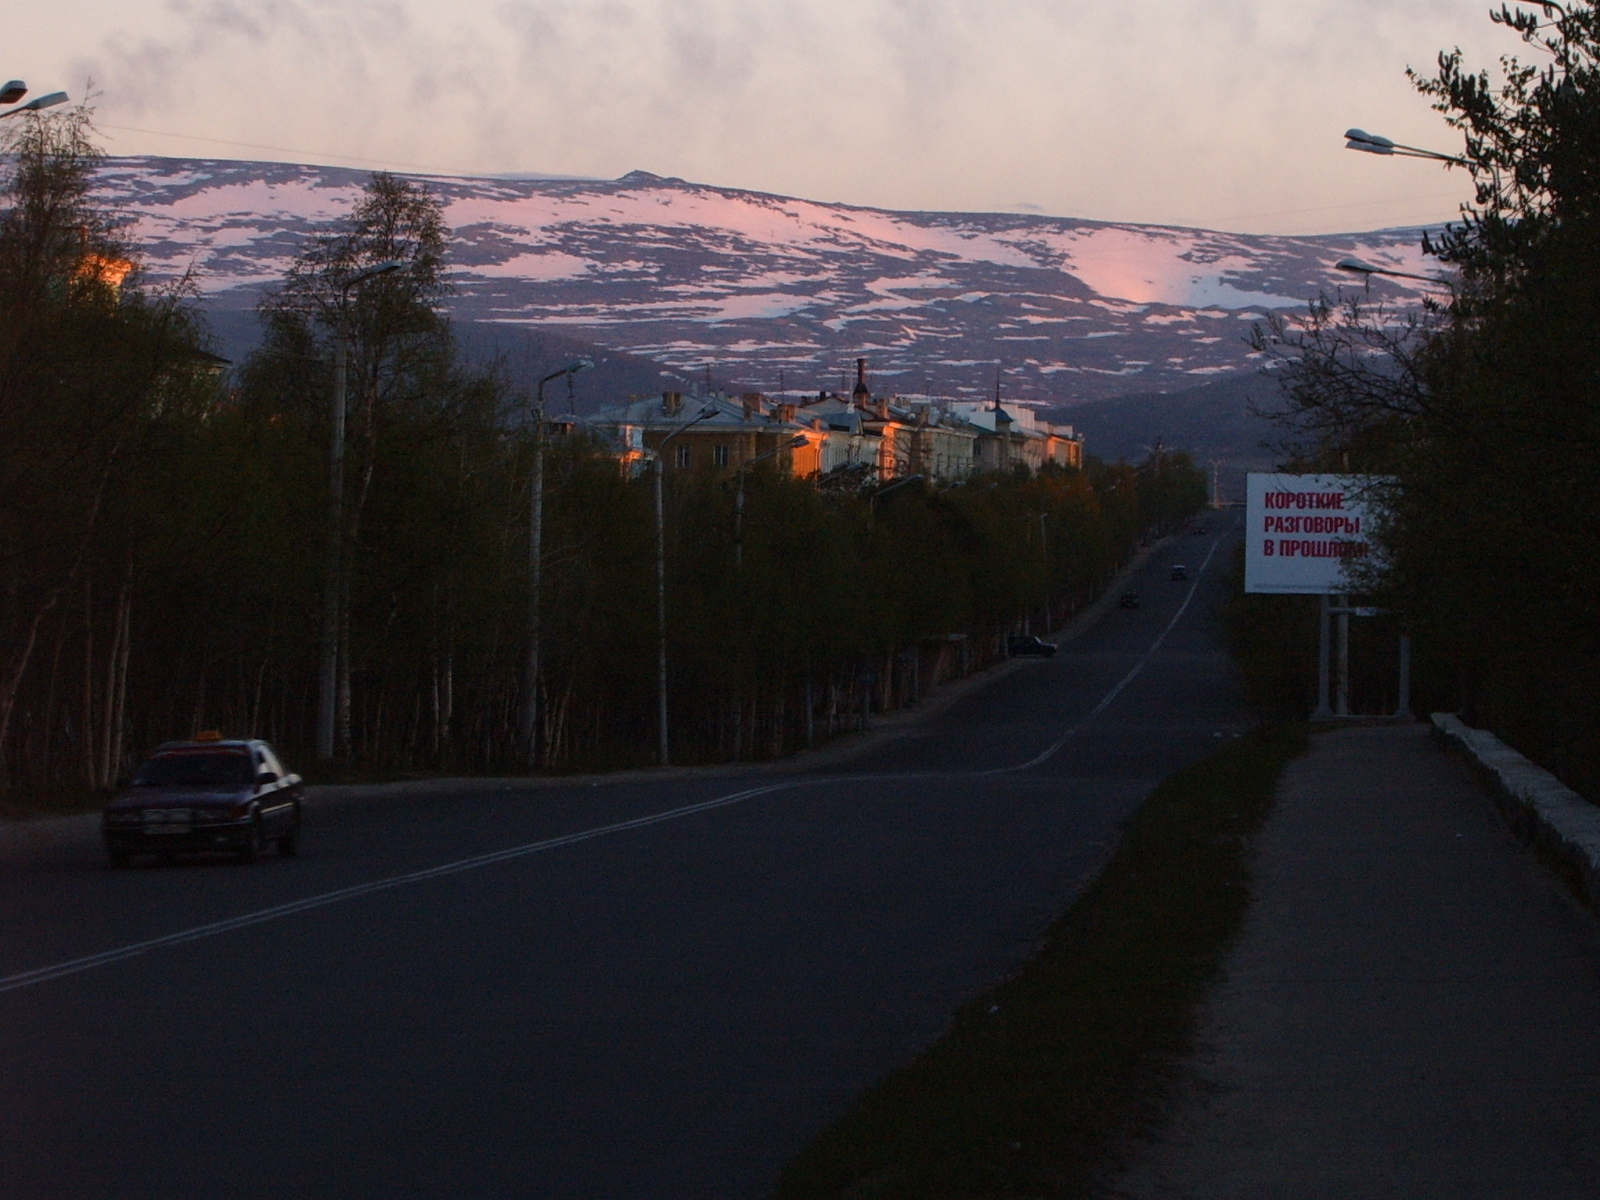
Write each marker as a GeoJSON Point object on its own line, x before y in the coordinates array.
{"type": "Point", "coordinates": [793, 443]}
{"type": "Point", "coordinates": [333, 584]}
{"type": "Point", "coordinates": [328, 666]}
{"type": "Point", "coordinates": [530, 707]}
{"type": "Point", "coordinates": [710, 410]}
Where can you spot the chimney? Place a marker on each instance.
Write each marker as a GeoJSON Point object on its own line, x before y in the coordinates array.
{"type": "Point", "coordinates": [755, 404]}
{"type": "Point", "coordinates": [671, 403]}
{"type": "Point", "coordinates": [784, 413]}
{"type": "Point", "coordinates": [861, 396]}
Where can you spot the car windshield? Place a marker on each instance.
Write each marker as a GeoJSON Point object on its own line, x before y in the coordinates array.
{"type": "Point", "coordinates": [210, 768]}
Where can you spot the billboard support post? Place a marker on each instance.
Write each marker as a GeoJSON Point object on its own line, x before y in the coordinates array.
{"type": "Point", "coordinates": [1403, 709]}
{"type": "Point", "coordinates": [1341, 695]}
{"type": "Point", "coordinates": [1323, 712]}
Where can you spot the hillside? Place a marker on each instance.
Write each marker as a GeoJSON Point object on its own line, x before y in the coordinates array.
{"type": "Point", "coordinates": [1215, 422]}
{"type": "Point", "coordinates": [770, 291]}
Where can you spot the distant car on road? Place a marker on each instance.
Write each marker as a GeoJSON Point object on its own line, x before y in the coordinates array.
{"type": "Point", "coordinates": [1179, 572]}
{"type": "Point", "coordinates": [1025, 647]}
{"type": "Point", "coordinates": [1128, 600]}
{"type": "Point", "coordinates": [209, 795]}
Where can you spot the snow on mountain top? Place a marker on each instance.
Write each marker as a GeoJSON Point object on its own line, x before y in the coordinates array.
{"type": "Point", "coordinates": [763, 284]}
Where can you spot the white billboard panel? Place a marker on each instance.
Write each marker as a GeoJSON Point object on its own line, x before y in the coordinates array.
{"type": "Point", "coordinates": [1302, 530]}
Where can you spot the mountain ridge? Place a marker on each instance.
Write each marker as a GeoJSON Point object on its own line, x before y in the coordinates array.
{"type": "Point", "coordinates": [780, 293]}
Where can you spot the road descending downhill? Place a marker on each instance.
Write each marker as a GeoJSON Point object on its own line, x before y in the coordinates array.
{"type": "Point", "coordinates": [653, 987]}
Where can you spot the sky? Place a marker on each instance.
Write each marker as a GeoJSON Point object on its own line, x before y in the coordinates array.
{"type": "Point", "coordinates": [1222, 114]}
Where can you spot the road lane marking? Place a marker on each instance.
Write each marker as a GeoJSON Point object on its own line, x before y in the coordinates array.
{"type": "Point", "coordinates": [22, 979]}
{"type": "Point", "coordinates": [1105, 701]}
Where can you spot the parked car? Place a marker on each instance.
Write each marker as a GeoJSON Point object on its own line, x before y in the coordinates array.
{"type": "Point", "coordinates": [1179, 572]}
{"type": "Point", "coordinates": [1025, 647]}
{"type": "Point", "coordinates": [1128, 600]}
{"type": "Point", "coordinates": [208, 795]}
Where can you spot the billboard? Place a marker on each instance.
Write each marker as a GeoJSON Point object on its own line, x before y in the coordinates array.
{"type": "Point", "coordinates": [1302, 530]}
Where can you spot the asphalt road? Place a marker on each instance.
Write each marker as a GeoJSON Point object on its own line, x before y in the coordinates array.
{"type": "Point", "coordinates": [647, 988]}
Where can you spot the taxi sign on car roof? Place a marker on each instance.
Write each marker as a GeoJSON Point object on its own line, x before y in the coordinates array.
{"type": "Point", "coordinates": [209, 735]}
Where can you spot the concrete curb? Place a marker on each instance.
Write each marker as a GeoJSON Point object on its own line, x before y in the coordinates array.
{"type": "Point", "coordinates": [1541, 810]}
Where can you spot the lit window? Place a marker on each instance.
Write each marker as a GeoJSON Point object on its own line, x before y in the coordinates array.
{"type": "Point", "coordinates": [683, 456]}
{"type": "Point", "coordinates": [719, 456]}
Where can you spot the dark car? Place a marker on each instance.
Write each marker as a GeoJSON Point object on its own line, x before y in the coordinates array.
{"type": "Point", "coordinates": [1025, 647]}
{"type": "Point", "coordinates": [1179, 573]}
{"type": "Point", "coordinates": [1128, 600]}
{"type": "Point", "coordinates": [206, 796]}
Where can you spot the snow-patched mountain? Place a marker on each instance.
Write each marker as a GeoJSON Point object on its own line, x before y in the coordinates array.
{"type": "Point", "coordinates": [757, 285]}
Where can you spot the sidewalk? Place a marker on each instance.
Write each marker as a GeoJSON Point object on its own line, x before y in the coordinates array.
{"type": "Point", "coordinates": [1412, 1010]}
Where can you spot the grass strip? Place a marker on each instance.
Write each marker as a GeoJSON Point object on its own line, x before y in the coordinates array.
{"type": "Point", "coordinates": [1039, 1085]}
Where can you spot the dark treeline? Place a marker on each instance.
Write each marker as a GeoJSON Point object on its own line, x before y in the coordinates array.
{"type": "Point", "coordinates": [166, 531]}
{"type": "Point", "coordinates": [1485, 410]}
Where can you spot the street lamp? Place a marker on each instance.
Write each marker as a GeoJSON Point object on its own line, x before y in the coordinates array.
{"type": "Point", "coordinates": [16, 90]}
{"type": "Point", "coordinates": [328, 668]}
{"type": "Point", "coordinates": [710, 410]}
{"type": "Point", "coordinates": [793, 443]}
{"type": "Point", "coordinates": [1372, 143]}
{"type": "Point", "coordinates": [1357, 267]}
{"type": "Point", "coordinates": [530, 709]}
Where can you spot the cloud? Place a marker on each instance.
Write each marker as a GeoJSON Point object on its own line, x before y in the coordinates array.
{"type": "Point", "coordinates": [1181, 111]}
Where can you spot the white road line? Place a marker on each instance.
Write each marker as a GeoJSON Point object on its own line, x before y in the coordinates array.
{"type": "Point", "coordinates": [40, 974]}
{"type": "Point", "coordinates": [22, 979]}
{"type": "Point", "coordinates": [1054, 747]}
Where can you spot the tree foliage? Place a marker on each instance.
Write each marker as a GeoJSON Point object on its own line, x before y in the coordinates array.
{"type": "Point", "coordinates": [165, 531]}
{"type": "Point", "coordinates": [1485, 408]}
{"type": "Point", "coordinates": [95, 369]}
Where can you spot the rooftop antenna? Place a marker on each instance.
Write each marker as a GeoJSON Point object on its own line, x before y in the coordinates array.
{"type": "Point", "coordinates": [783, 388]}
{"type": "Point", "coordinates": [997, 387]}
{"type": "Point", "coordinates": [708, 379]}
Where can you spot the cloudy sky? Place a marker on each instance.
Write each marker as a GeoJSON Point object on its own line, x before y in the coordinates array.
{"type": "Point", "coordinates": [1216, 113]}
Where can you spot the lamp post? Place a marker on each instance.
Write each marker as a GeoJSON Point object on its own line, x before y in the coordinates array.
{"type": "Point", "coordinates": [872, 500]}
{"type": "Point", "coordinates": [1372, 143]}
{"type": "Point", "coordinates": [1357, 267]}
{"type": "Point", "coordinates": [710, 410]}
{"type": "Point", "coordinates": [530, 708]}
{"type": "Point", "coordinates": [793, 443]}
{"type": "Point", "coordinates": [328, 667]}
{"type": "Point", "coordinates": [15, 90]}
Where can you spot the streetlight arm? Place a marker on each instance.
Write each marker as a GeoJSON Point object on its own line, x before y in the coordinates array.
{"type": "Point", "coordinates": [793, 443]}
{"type": "Point", "coordinates": [1372, 143]}
{"type": "Point", "coordinates": [43, 102]}
{"type": "Point", "coordinates": [387, 267]}
{"type": "Point", "coordinates": [572, 368]}
{"type": "Point", "coordinates": [1357, 267]}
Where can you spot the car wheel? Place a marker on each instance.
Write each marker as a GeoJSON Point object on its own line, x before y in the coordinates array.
{"type": "Point", "coordinates": [256, 843]}
{"type": "Point", "coordinates": [289, 843]}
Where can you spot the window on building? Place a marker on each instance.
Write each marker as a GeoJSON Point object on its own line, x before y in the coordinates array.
{"type": "Point", "coordinates": [719, 456]}
{"type": "Point", "coordinates": [682, 456]}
